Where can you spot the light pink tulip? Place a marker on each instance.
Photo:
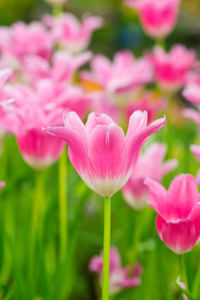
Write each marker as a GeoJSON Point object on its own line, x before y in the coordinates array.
{"type": "Point", "coordinates": [178, 220]}
{"type": "Point", "coordinates": [147, 102]}
{"type": "Point", "coordinates": [22, 39]}
{"type": "Point", "coordinates": [173, 68]}
{"type": "Point", "coordinates": [158, 17]}
{"type": "Point", "coordinates": [121, 78]}
{"type": "Point", "coordinates": [99, 151]}
{"type": "Point", "coordinates": [61, 69]}
{"type": "Point", "coordinates": [71, 34]}
{"type": "Point", "coordinates": [150, 164]}
{"type": "Point", "coordinates": [37, 108]}
{"type": "Point", "coordinates": [120, 278]}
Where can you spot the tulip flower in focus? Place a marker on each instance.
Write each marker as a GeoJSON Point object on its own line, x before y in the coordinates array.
{"type": "Point", "coordinates": [120, 278]}
{"type": "Point", "coordinates": [120, 79]}
{"type": "Point", "coordinates": [101, 154]}
{"type": "Point", "coordinates": [150, 164]}
{"type": "Point", "coordinates": [172, 69]}
{"type": "Point", "coordinates": [71, 34]}
{"type": "Point", "coordinates": [158, 17]}
{"type": "Point", "coordinates": [178, 220]}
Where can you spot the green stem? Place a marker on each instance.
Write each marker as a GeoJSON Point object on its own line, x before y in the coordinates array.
{"type": "Point", "coordinates": [161, 43]}
{"type": "Point", "coordinates": [63, 224]}
{"type": "Point", "coordinates": [36, 223]}
{"type": "Point", "coordinates": [57, 10]}
{"type": "Point", "coordinates": [183, 269]}
{"type": "Point", "coordinates": [38, 206]}
{"type": "Point", "coordinates": [184, 276]}
{"type": "Point", "coordinates": [106, 248]}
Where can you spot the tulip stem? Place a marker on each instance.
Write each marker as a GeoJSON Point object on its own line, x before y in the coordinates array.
{"type": "Point", "coordinates": [63, 228]}
{"type": "Point", "coordinates": [57, 10]}
{"type": "Point", "coordinates": [161, 43]}
{"type": "Point", "coordinates": [183, 270]}
{"type": "Point", "coordinates": [106, 248]}
{"type": "Point", "coordinates": [36, 221]}
{"type": "Point", "coordinates": [184, 276]}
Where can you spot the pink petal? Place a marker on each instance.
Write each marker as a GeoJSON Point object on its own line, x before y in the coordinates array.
{"type": "Point", "coordinates": [137, 122]}
{"type": "Point", "coordinates": [2, 184]}
{"type": "Point", "coordinates": [182, 195]}
{"type": "Point", "coordinates": [107, 151]}
{"type": "Point", "coordinates": [136, 142]}
{"type": "Point", "coordinates": [157, 197]}
{"type": "Point", "coordinates": [96, 264]}
{"type": "Point", "coordinates": [95, 119]}
{"type": "Point", "coordinates": [179, 237]}
{"type": "Point", "coordinates": [192, 115]}
{"type": "Point", "coordinates": [192, 93]}
{"type": "Point", "coordinates": [4, 75]}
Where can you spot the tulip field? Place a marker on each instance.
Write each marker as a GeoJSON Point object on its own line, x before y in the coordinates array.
{"type": "Point", "coordinates": [99, 150]}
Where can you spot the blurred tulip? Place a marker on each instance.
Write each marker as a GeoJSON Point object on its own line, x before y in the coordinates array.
{"type": "Point", "coordinates": [99, 151]}
{"type": "Point", "coordinates": [21, 39]}
{"type": "Point", "coordinates": [61, 69]}
{"type": "Point", "coordinates": [173, 68]}
{"type": "Point", "coordinates": [148, 102]}
{"type": "Point", "coordinates": [178, 220]}
{"type": "Point", "coordinates": [120, 79]}
{"type": "Point", "coordinates": [39, 107]}
{"type": "Point", "coordinates": [120, 278]}
{"type": "Point", "coordinates": [150, 164]}
{"type": "Point", "coordinates": [158, 17]}
{"type": "Point", "coordinates": [70, 33]}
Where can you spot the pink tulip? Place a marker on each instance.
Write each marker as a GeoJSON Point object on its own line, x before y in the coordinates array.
{"type": "Point", "coordinates": [38, 149]}
{"type": "Point", "coordinates": [100, 153]}
{"type": "Point", "coordinates": [121, 78]}
{"type": "Point", "coordinates": [37, 108]}
{"type": "Point", "coordinates": [70, 33]}
{"type": "Point", "coordinates": [120, 278]}
{"type": "Point", "coordinates": [61, 69]}
{"type": "Point", "coordinates": [173, 68]}
{"type": "Point", "coordinates": [178, 220]}
{"type": "Point", "coordinates": [158, 17]}
{"type": "Point", "coordinates": [147, 102]}
{"type": "Point", "coordinates": [22, 39]}
{"type": "Point", "coordinates": [150, 164]}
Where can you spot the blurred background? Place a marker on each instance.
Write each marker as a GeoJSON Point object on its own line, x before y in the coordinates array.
{"type": "Point", "coordinates": [121, 28]}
